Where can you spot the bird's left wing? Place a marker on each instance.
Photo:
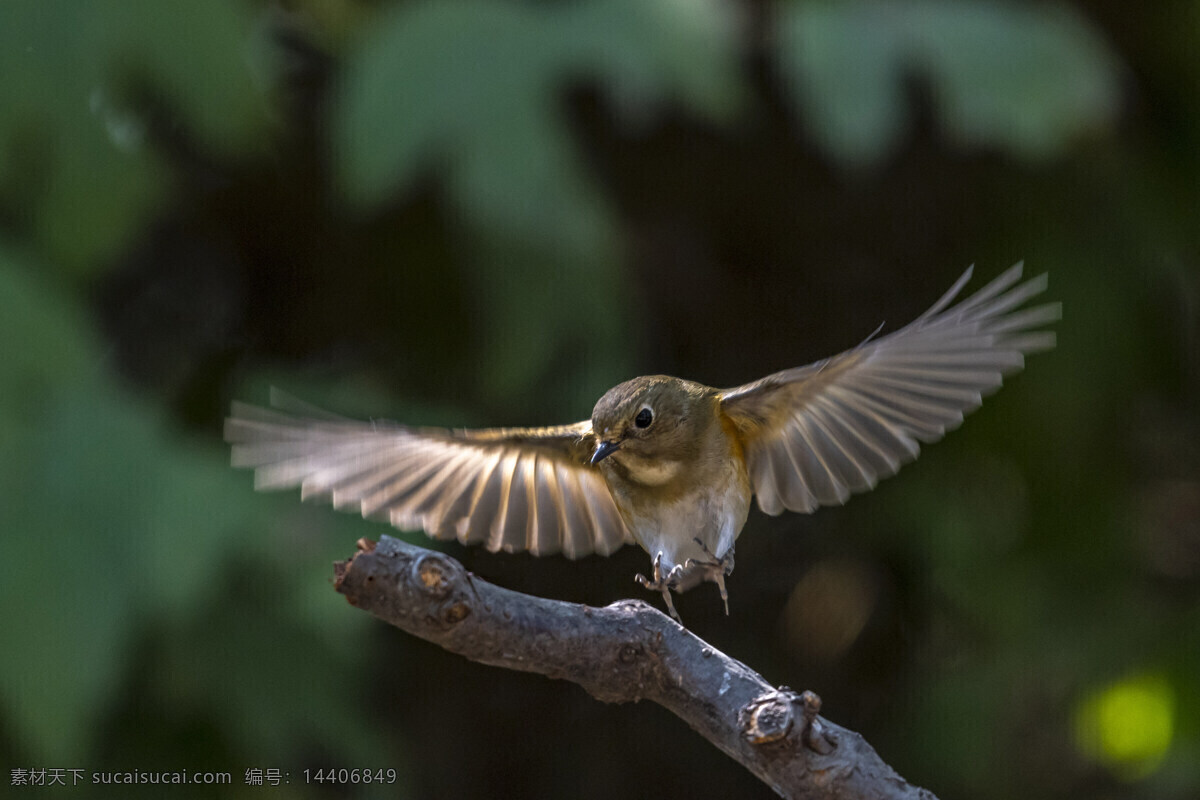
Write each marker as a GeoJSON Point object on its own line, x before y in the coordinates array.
{"type": "Point", "coordinates": [813, 435]}
{"type": "Point", "coordinates": [510, 489]}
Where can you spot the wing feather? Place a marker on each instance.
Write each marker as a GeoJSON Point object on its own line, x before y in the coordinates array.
{"type": "Point", "coordinates": [579, 535]}
{"type": "Point", "coordinates": [509, 488]}
{"type": "Point", "coordinates": [814, 435]}
{"type": "Point", "coordinates": [516, 511]}
{"type": "Point", "coordinates": [441, 487]}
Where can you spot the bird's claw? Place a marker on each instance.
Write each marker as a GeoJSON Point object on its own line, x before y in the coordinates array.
{"type": "Point", "coordinates": [714, 570]}
{"type": "Point", "coordinates": [663, 583]}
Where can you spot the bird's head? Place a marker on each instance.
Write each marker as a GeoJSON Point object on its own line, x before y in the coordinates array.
{"type": "Point", "coordinates": [655, 417]}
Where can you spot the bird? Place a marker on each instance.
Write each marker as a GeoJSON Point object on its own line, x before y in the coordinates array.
{"type": "Point", "coordinates": [667, 463]}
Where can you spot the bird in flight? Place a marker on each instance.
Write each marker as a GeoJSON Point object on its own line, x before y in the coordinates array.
{"type": "Point", "coordinates": [667, 463]}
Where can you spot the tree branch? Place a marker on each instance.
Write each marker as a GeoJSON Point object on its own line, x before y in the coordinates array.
{"type": "Point", "coordinates": [624, 652]}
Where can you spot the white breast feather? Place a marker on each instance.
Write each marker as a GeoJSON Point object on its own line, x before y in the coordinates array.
{"type": "Point", "coordinates": [715, 519]}
{"type": "Point", "coordinates": [651, 471]}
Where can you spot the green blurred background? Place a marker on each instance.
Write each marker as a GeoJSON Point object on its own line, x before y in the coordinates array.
{"type": "Point", "coordinates": [487, 213]}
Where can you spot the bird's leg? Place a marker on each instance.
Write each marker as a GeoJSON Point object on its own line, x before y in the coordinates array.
{"type": "Point", "coordinates": [662, 583]}
{"type": "Point", "coordinates": [714, 570]}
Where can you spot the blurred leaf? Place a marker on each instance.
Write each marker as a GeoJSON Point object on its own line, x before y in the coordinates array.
{"type": "Point", "coordinates": [43, 337]}
{"type": "Point", "coordinates": [72, 155]}
{"type": "Point", "coordinates": [274, 684]}
{"type": "Point", "coordinates": [107, 520]}
{"type": "Point", "coordinates": [963, 512]}
{"type": "Point", "coordinates": [541, 318]}
{"type": "Point", "coordinates": [1022, 77]}
{"type": "Point", "coordinates": [477, 88]}
{"type": "Point", "coordinates": [650, 52]}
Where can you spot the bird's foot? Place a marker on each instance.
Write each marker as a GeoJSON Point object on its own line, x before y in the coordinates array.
{"type": "Point", "coordinates": [714, 570]}
{"type": "Point", "coordinates": [663, 582]}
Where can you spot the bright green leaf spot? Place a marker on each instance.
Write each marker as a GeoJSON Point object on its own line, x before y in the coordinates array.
{"type": "Point", "coordinates": [1128, 726]}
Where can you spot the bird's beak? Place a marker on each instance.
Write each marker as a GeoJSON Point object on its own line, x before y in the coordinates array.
{"type": "Point", "coordinates": [603, 451]}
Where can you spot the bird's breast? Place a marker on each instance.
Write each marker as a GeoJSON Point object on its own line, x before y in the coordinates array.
{"type": "Point", "coordinates": [668, 505]}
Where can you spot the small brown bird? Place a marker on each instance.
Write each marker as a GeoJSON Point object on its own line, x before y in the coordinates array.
{"type": "Point", "coordinates": [664, 462]}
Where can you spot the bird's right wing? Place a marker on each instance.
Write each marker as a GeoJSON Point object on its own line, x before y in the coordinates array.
{"type": "Point", "coordinates": [813, 435]}
{"type": "Point", "coordinates": [510, 489]}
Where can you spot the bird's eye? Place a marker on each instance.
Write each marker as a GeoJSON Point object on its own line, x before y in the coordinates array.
{"type": "Point", "coordinates": [644, 418]}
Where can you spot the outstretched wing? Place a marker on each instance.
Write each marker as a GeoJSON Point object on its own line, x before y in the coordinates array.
{"type": "Point", "coordinates": [813, 435]}
{"type": "Point", "coordinates": [510, 489]}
